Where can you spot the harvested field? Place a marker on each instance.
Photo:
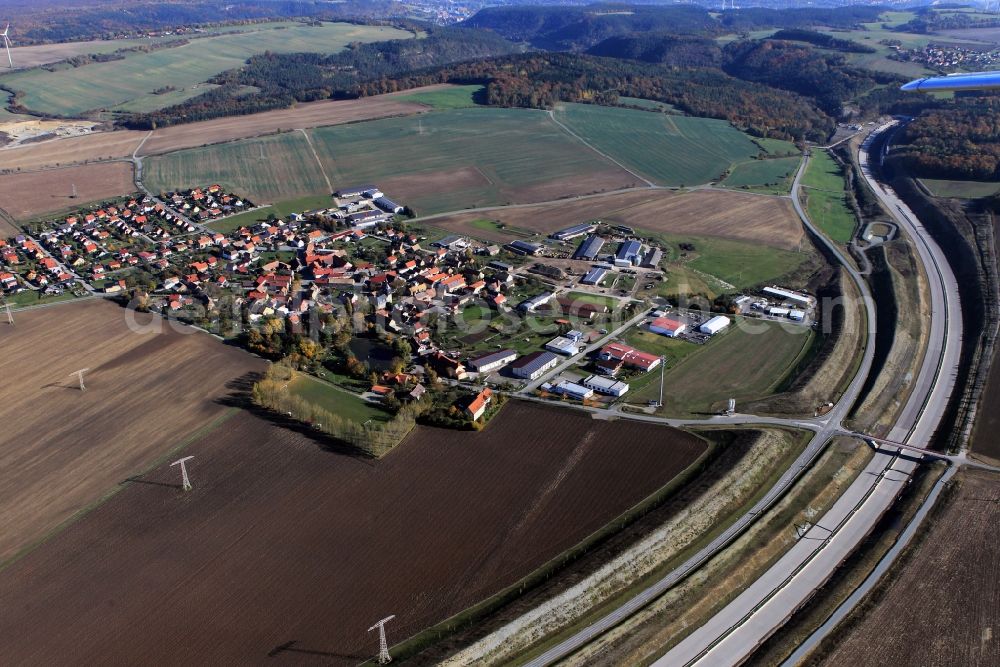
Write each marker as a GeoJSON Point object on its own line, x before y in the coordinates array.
{"type": "Point", "coordinates": [986, 432]}
{"type": "Point", "coordinates": [286, 549]}
{"type": "Point", "coordinates": [30, 194]}
{"type": "Point", "coordinates": [43, 54]}
{"type": "Point", "coordinates": [941, 605]}
{"type": "Point", "coordinates": [670, 150]}
{"type": "Point", "coordinates": [313, 114]}
{"type": "Point", "coordinates": [61, 449]}
{"type": "Point", "coordinates": [769, 221]}
{"type": "Point", "coordinates": [288, 170]}
{"type": "Point", "coordinates": [72, 150]}
{"type": "Point", "coordinates": [503, 156]}
{"type": "Point", "coordinates": [121, 143]}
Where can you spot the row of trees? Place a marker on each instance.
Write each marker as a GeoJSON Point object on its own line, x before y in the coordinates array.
{"type": "Point", "coordinates": [376, 439]}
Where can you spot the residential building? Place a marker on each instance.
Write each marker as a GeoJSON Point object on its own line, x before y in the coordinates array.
{"type": "Point", "coordinates": [477, 407]}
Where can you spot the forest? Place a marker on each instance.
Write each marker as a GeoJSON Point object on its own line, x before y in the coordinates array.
{"type": "Point", "coordinates": [960, 141]}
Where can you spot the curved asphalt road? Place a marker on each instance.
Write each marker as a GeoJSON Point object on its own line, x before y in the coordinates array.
{"type": "Point", "coordinates": [732, 635]}
{"type": "Point", "coordinates": [825, 428]}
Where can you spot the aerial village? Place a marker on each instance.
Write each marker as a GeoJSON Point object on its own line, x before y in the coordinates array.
{"type": "Point", "coordinates": [546, 318]}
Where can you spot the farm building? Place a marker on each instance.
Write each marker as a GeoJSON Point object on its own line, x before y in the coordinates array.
{"type": "Point", "coordinates": [788, 295]}
{"type": "Point", "coordinates": [388, 205]}
{"type": "Point", "coordinates": [488, 363]}
{"type": "Point", "coordinates": [603, 385]}
{"type": "Point", "coordinates": [562, 345]}
{"type": "Point", "coordinates": [797, 315]}
{"type": "Point", "coordinates": [524, 248]}
{"type": "Point", "coordinates": [573, 232]}
{"type": "Point", "coordinates": [500, 266]}
{"type": "Point", "coordinates": [533, 366]}
{"type": "Point", "coordinates": [571, 389]}
{"type": "Point", "coordinates": [652, 259]}
{"type": "Point", "coordinates": [628, 253]}
{"type": "Point", "coordinates": [452, 242]}
{"type": "Point", "coordinates": [774, 311]}
{"type": "Point", "coordinates": [714, 325]}
{"type": "Point", "coordinates": [529, 305]}
{"type": "Point", "coordinates": [589, 247]}
{"type": "Point", "coordinates": [478, 405]}
{"type": "Point", "coordinates": [594, 276]}
{"type": "Point", "coordinates": [667, 326]}
{"type": "Point", "coordinates": [357, 191]}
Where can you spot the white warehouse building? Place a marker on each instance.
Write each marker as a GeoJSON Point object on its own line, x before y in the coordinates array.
{"type": "Point", "coordinates": [603, 385]}
{"type": "Point", "coordinates": [714, 325]}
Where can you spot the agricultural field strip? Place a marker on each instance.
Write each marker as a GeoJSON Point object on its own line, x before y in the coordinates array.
{"type": "Point", "coordinates": [103, 85]}
{"type": "Point", "coordinates": [409, 491]}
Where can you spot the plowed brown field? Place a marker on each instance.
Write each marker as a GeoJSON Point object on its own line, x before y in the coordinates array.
{"type": "Point", "coordinates": [943, 607]}
{"type": "Point", "coordinates": [62, 449]}
{"type": "Point", "coordinates": [769, 221]}
{"type": "Point", "coordinates": [29, 194]}
{"type": "Point", "coordinates": [288, 550]}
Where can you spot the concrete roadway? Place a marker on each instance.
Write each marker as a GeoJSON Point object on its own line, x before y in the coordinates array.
{"type": "Point", "coordinates": [824, 428]}
{"type": "Point", "coordinates": [733, 634]}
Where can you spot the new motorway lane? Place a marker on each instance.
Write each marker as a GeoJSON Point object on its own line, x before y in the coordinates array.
{"type": "Point", "coordinates": [825, 428]}
{"type": "Point", "coordinates": [734, 633]}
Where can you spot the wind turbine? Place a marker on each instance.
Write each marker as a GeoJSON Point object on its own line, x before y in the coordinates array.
{"type": "Point", "coordinates": [6, 44]}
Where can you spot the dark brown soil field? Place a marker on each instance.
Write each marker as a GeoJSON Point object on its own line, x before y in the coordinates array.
{"type": "Point", "coordinates": [743, 217]}
{"type": "Point", "coordinates": [287, 549]}
{"type": "Point", "coordinates": [62, 449]}
{"type": "Point", "coordinates": [30, 194]}
{"type": "Point", "coordinates": [943, 607]}
{"type": "Point", "coordinates": [986, 432]}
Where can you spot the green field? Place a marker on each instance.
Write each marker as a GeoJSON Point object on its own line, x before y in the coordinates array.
{"type": "Point", "coordinates": [459, 158]}
{"type": "Point", "coordinates": [281, 209]}
{"type": "Point", "coordinates": [777, 147]}
{"type": "Point", "coordinates": [746, 363]}
{"type": "Point", "coordinates": [336, 400]}
{"type": "Point", "coordinates": [961, 189]}
{"type": "Point", "coordinates": [773, 175]}
{"type": "Point", "coordinates": [826, 202]}
{"type": "Point", "coordinates": [73, 91]}
{"type": "Point", "coordinates": [594, 299]}
{"type": "Point", "coordinates": [649, 104]}
{"type": "Point", "coordinates": [670, 150]}
{"type": "Point", "coordinates": [458, 97]}
{"type": "Point", "coordinates": [288, 170]}
{"type": "Point", "coordinates": [739, 264]}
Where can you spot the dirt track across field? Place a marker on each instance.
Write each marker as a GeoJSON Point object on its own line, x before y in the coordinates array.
{"type": "Point", "coordinates": [62, 449]}
{"type": "Point", "coordinates": [30, 194]}
{"type": "Point", "coordinates": [742, 217]}
{"type": "Point", "coordinates": [288, 550]}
